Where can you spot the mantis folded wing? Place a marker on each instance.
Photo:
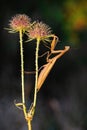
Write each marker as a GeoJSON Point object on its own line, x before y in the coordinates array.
{"type": "Point", "coordinates": [47, 67]}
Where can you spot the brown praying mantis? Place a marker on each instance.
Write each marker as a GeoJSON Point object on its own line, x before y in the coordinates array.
{"type": "Point", "coordinates": [45, 69]}
{"type": "Point", "coordinates": [50, 61]}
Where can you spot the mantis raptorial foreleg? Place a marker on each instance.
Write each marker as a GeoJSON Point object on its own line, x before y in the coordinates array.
{"type": "Point", "coordinates": [54, 42]}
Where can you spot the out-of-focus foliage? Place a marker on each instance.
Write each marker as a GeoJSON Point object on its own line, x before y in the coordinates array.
{"type": "Point", "coordinates": [70, 15]}
{"type": "Point", "coordinates": [75, 17]}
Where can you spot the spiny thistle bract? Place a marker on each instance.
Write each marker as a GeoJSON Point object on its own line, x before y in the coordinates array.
{"type": "Point", "coordinates": [39, 31]}
{"type": "Point", "coordinates": [19, 22]}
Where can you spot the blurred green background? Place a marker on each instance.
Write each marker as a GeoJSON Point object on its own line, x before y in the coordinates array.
{"type": "Point", "coordinates": [62, 101]}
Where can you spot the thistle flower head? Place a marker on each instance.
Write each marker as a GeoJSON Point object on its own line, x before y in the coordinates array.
{"type": "Point", "coordinates": [39, 31]}
{"type": "Point", "coordinates": [19, 22]}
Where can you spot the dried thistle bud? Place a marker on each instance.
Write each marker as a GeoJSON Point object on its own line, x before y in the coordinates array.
{"type": "Point", "coordinates": [19, 22]}
{"type": "Point", "coordinates": [39, 31]}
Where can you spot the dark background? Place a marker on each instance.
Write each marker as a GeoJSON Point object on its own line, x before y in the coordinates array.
{"type": "Point", "coordinates": [62, 101]}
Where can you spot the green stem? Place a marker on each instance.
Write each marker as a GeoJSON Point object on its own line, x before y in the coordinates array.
{"type": "Point", "coordinates": [22, 67]}
{"type": "Point", "coordinates": [36, 77]}
{"type": "Point", "coordinates": [29, 125]}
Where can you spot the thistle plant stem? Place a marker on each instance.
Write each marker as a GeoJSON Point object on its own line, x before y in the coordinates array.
{"type": "Point", "coordinates": [36, 76]}
{"type": "Point", "coordinates": [29, 125]}
{"type": "Point", "coordinates": [22, 72]}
